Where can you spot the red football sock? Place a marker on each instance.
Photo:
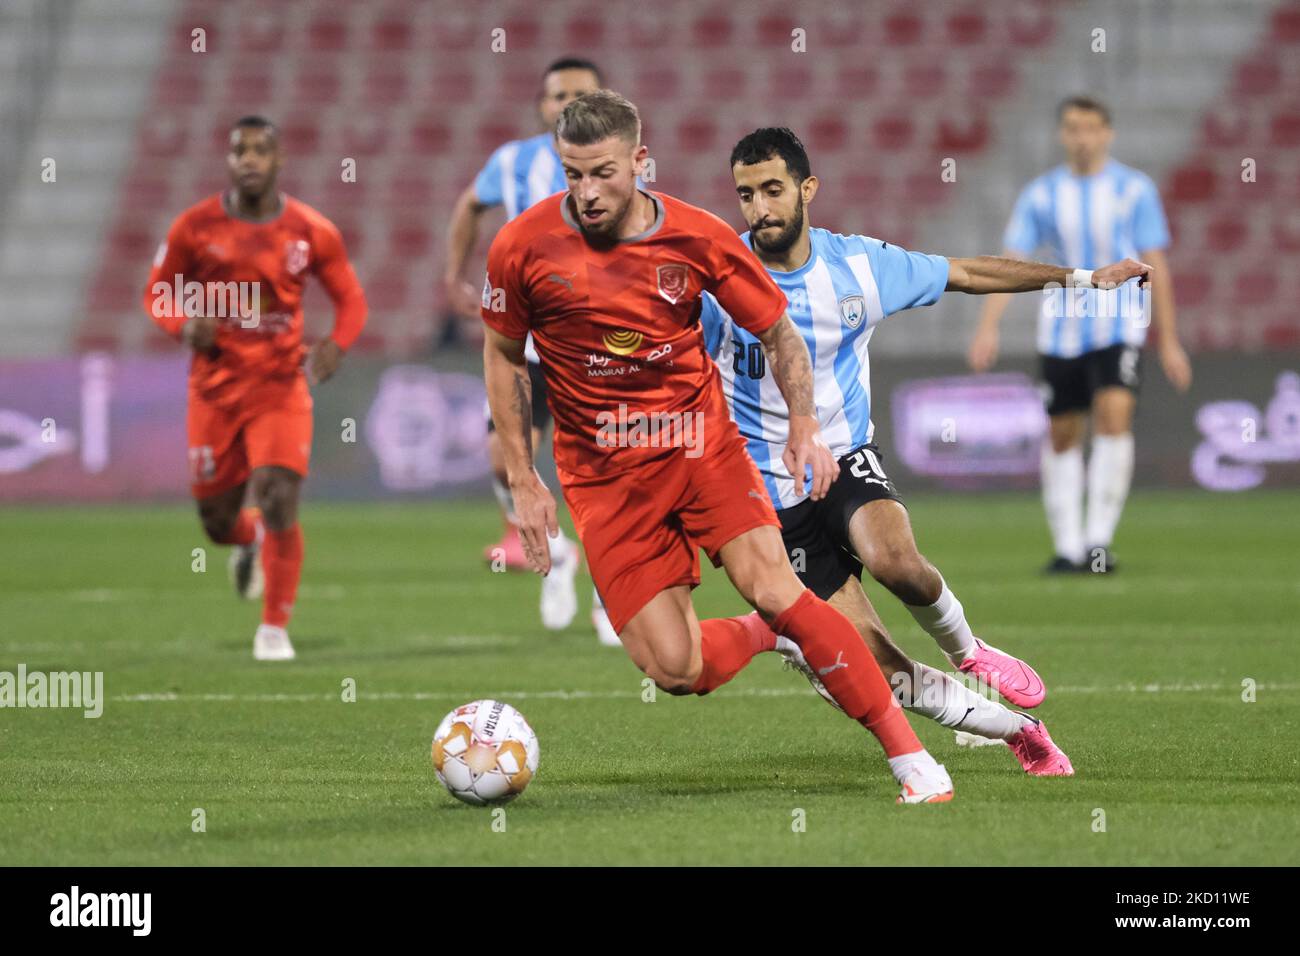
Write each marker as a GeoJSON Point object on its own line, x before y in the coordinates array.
{"type": "Point", "coordinates": [281, 565]}
{"type": "Point", "coordinates": [727, 644]}
{"type": "Point", "coordinates": [832, 646]}
{"type": "Point", "coordinates": [245, 529]}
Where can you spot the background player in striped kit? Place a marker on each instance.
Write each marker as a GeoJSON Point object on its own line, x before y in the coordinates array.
{"type": "Point", "coordinates": [517, 175]}
{"type": "Point", "coordinates": [838, 288]}
{"type": "Point", "coordinates": [1089, 210]}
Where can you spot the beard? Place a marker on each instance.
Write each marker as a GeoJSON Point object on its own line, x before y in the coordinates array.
{"type": "Point", "coordinates": [782, 241]}
{"type": "Point", "coordinates": [607, 230]}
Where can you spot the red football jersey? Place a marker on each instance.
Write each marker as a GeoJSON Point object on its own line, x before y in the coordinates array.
{"type": "Point", "coordinates": [224, 264]}
{"type": "Point", "coordinates": [617, 328]}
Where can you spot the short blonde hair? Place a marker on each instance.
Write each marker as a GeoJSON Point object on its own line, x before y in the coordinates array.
{"type": "Point", "coordinates": [598, 115]}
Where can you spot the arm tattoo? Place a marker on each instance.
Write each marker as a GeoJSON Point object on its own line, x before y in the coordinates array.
{"type": "Point", "coordinates": [523, 406]}
{"type": "Point", "coordinates": [791, 367]}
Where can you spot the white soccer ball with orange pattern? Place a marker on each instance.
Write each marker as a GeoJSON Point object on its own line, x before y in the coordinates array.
{"type": "Point", "coordinates": [485, 753]}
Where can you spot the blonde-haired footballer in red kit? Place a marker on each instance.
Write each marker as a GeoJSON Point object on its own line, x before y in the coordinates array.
{"type": "Point", "coordinates": [608, 279]}
{"type": "Point", "coordinates": [249, 419]}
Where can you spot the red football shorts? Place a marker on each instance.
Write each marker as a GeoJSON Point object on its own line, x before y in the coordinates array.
{"type": "Point", "coordinates": [641, 529]}
{"type": "Point", "coordinates": [269, 425]}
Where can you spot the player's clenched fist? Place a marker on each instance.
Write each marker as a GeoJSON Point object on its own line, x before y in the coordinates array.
{"type": "Point", "coordinates": [323, 361]}
{"type": "Point", "coordinates": [535, 511]}
{"type": "Point", "coordinates": [807, 447]}
{"type": "Point", "coordinates": [200, 332]}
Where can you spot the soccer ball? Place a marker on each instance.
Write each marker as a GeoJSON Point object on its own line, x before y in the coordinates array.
{"type": "Point", "coordinates": [485, 753]}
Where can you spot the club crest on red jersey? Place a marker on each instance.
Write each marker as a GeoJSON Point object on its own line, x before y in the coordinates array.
{"type": "Point", "coordinates": [672, 282]}
{"type": "Point", "coordinates": [297, 253]}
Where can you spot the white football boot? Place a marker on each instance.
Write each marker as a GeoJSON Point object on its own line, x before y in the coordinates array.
{"type": "Point", "coordinates": [605, 632]}
{"type": "Point", "coordinates": [271, 643]}
{"type": "Point", "coordinates": [926, 784]}
{"type": "Point", "coordinates": [795, 661]}
{"type": "Point", "coordinates": [559, 596]}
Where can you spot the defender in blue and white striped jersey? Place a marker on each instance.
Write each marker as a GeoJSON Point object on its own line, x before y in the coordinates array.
{"type": "Point", "coordinates": [518, 175]}
{"type": "Point", "coordinates": [839, 288]}
{"type": "Point", "coordinates": [1090, 210]}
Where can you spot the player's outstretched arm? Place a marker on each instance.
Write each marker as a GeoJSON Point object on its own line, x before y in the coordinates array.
{"type": "Point", "coordinates": [510, 398]}
{"type": "Point", "coordinates": [987, 274]}
{"type": "Point", "coordinates": [999, 277]}
{"type": "Point", "coordinates": [787, 355]}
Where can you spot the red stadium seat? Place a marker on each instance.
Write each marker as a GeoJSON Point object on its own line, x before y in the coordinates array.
{"type": "Point", "coordinates": [301, 136]}
{"type": "Point", "coordinates": [1255, 288]}
{"type": "Point", "coordinates": [387, 290]}
{"type": "Point", "coordinates": [1193, 183]}
{"type": "Point", "coordinates": [518, 84]}
{"type": "Point", "coordinates": [522, 33]}
{"type": "Point", "coordinates": [894, 132]}
{"type": "Point", "coordinates": [651, 27]}
{"type": "Point", "coordinates": [1193, 284]}
{"type": "Point", "coordinates": [1286, 24]}
{"type": "Point", "coordinates": [409, 188]}
{"type": "Point", "coordinates": [585, 30]}
{"type": "Point", "coordinates": [1284, 130]}
{"type": "Point", "coordinates": [828, 134]}
{"type": "Point", "coordinates": [1282, 334]}
{"type": "Point", "coordinates": [391, 31]}
{"type": "Point", "coordinates": [1257, 78]}
{"type": "Point", "coordinates": [903, 28]}
{"type": "Point", "coordinates": [775, 30]}
{"type": "Point", "coordinates": [1227, 232]}
{"type": "Point", "coordinates": [967, 135]}
{"type": "Point", "coordinates": [409, 238]}
{"type": "Point", "coordinates": [327, 33]}
{"type": "Point", "coordinates": [966, 28]}
{"type": "Point", "coordinates": [430, 134]}
{"type": "Point", "coordinates": [697, 135]}
{"type": "Point", "coordinates": [712, 30]}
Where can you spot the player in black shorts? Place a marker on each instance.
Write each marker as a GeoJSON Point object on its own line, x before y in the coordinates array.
{"type": "Point", "coordinates": [1090, 336]}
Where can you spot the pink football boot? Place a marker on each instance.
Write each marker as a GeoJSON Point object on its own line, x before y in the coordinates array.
{"type": "Point", "coordinates": [1009, 676]}
{"type": "Point", "coordinates": [1038, 754]}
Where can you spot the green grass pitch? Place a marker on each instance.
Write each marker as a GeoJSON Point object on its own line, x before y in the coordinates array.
{"type": "Point", "coordinates": [1145, 672]}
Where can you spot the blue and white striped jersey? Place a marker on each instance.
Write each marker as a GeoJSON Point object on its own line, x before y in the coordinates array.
{"type": "Point", "coordinates": [517, 175]}
{"type": "Point", "coordinates": [520, 173]}
{"type": "Point", "coordinates": [847, 286]}
{"type": "Point", "coordinates": [1086, 222]}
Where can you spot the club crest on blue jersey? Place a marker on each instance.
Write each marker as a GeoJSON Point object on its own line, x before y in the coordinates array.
{"type": "Point", "coordinates": [852, 309]}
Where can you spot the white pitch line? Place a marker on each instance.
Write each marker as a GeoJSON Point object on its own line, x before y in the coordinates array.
{"type": "Point", "coordinates": [152, 698]}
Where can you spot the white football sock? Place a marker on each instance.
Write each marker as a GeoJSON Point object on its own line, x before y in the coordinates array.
{"type": "Point", "coordinates": [1110, 472]}
{"type": "Point", "coordinates": [504, 499]}
{"type": "Point", "coordinates": [786, 646]}
{"type": "Point", "coordinates": [945, 621]}
{"type": "Point", "coordinates": [903, 765]}
{"type": "Point", "coordinates": [1063, 500]}
{"type": "Point", "coordinates": [955, 705]}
